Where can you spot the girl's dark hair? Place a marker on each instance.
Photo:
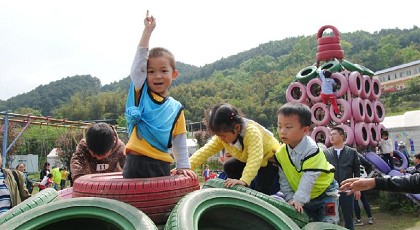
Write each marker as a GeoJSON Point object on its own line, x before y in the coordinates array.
{"type": "Point", "coordinates": [46, 164]}
{"type": "Point", "coordinates": [223, 118]}
{"type": "Point", "coordinates": [100, 138]}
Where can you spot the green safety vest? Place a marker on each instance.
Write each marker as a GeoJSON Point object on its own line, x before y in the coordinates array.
{"type": "Point", "coordinates": [314, 162]}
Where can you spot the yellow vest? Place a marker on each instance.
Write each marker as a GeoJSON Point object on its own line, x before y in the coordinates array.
{"type": "Point", "coordinates": [313, 162]}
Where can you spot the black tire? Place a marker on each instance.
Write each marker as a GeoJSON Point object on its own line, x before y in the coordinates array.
{"type": "Point", "coordinates": [155, 196]}
{"type": "Point", "coordinates": [322, 226]}
{"type": "Point", "coordinates": [43, 197]}
{"type": "Point", "coordinates": [82, 213]}
{"type": "Point", "coordinates": [299, 219]}
{"type": "Point", "coordinates": [219, 208]}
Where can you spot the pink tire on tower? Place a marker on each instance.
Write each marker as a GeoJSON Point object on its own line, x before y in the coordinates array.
{"type": "Point", "coordinates": [345, 111]}
{"type": "Point", "coordinates": [366, 87]}
{"type": "Point", "coordinates": [296, 92]}
{"type": "Point", "coordinates": [373, 134]}
{"type": "Point", "coordinates": [355, 83]}
{"type": "Point", "coordinates": [358, 109]}
{"type": "Point", "coordinates": [379, 129]}
{"type": "Point", "coordinates": [313, 90]}
{"type": "Point", "coordinates": [361, 134]}
{"type": "Point", "coordinates": [320, 114]}
{"type": "Point", "coordinates": [342, 83]}
{"type": "Point", "coordinates": [349, 134]}
{"type": "Point", "coordinates": [369, 111]}
{"type": "Point", "coordinates": [321, 132]}
{"type": "Point", "coordinates": [379, 111]}
{"type": "Point", "coordinates": [376, 89]}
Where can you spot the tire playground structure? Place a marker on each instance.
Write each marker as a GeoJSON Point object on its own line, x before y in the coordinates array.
{"type": "Point", "coordinates": [211, 207]}
{"type": "Point", "coordinates": [156, 196]}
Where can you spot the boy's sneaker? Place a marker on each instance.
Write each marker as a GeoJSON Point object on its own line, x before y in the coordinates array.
{"type": "Point", "coordinates": [370, 220]}
{"type": "Point", "coordinates": [358, 222]}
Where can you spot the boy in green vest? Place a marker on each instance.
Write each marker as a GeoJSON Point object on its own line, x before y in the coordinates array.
{"type": "Point", "coordinates": [306, 177]}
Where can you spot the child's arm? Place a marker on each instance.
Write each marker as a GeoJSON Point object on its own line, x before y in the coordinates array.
{"type": "Point", "coordinates": [285, 186]}
{"type": "Point", "coordinates": [139, 67]}
{"type": "Point", "coordinates": [303, 193]}
{"type": "Point", "coordinates": [180, 150]}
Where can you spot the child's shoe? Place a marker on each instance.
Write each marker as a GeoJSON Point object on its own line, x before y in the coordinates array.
{"type": "Point", "coordinates": [358, 222]}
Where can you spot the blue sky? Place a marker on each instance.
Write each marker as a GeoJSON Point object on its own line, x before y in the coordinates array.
{"type": "Point", "coordinates": [43, 41]}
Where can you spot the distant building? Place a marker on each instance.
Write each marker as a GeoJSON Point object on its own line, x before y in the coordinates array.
{"type": "Point", "coordinates": [405, 128]}
{"type": "Point", "coordinates": [395, 78]}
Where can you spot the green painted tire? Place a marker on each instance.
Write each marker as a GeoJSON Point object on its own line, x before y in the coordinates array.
{"type": "Point", "coordinates": [43, 197]}
{"type": "Point", "coordinates": [300, 219]}
{"type": "Point", "coordinates": [226, 209]}
{"type": "Point", "coordinates": [82, 213]}
{"type": "Point", "coordinates": [351, 67]}
{"type": "Point", "coordinates": [333, 66]}
{"type": "Point", "coordinates": [322, 226]}
{"type": "Point", "coordinates": [367, 71]}
{"type": "Point", "coordinates": [306, 74]}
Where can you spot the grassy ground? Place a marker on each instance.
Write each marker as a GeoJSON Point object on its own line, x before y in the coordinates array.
{"type": "Point", "coordinates": [391, 220]}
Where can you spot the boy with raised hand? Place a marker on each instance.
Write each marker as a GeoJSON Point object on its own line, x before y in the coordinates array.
{"type": "Point", "coordinates": [155, 121]}
{"type": "Point", "coordinates": [306, 177]}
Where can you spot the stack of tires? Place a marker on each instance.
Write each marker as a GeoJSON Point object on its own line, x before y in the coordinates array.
{"type": "Point", "coordinates": [357, 95]}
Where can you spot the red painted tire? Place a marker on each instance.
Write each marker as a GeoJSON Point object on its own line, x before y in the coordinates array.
{"type": "Point", "coordinates": [328, 39]}
{"type": "Point", "coordinates": [349, 134]}
{"type": "Point", "coordinates": [355, 83]}
{"type": "Point", "coordinates": [358, 109]}
{"type": "Point", "coordinates": [345, 109]}
{"type": "Point", "coordinates": [320, 110]}
{"type": "Point", "coordinates": [369, 111]}
{"type": "Point", "coordinates": [377, 161]}
{"type": "Point", "coordinates": [361, 134]}
{"type": "Point", "coordinates": [334, 46]}
{"type": "Point", "coordinates": [330, 54]}
{"type": "Point", "coordinates": [313, 90]}
{"type": "Point", "coordinates": [376, 89]}
{"type": "Point", "coordinates": [366, 87]}
{"type": "Point", "coordinates": [321, 132]}
{"type": "Point", "coordinates": [296, 92]}
{"type": "Point", "coordinates": [373, 134]}
{"type": "Point", "coordinates": [154, 196]}
{"type": "Point", "coordinates": [342, 84]}
{"type": "Point", "coordinates": [379, 112]}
